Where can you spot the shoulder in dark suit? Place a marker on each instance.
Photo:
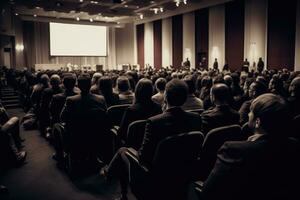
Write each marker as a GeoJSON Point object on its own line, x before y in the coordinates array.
{"type": "Point", "coordinates": [173, 121]}
{"type": "Point", "coordinates": [267, 168]}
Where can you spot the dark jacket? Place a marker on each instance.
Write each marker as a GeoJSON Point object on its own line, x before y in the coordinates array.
{"type": "Point", "coordinates": [267, 168]}
{"type": "Point", "coordinates": [172, 122]}
{"type": "Point", "coordinates": [219, 116]}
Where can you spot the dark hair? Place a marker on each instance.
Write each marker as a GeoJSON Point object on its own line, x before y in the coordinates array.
{"type": "Point", "coordinates": [228, 80]}
{"type": "Point", "coordinates": [69, 81]}
{"type": "Point", "coordinates": [105, 85]}
{"type": "Point", "coordinates": [84, 83]}
{"type": "Point", "coordinates": [143, 91]}
{"type": "Point", "coordinates": [295, 87]}
{"type": "Point", "coordinates": [55, 80]}
{"type": "Point", "coordinates": [272, 111]}
{"type": "Point", "coordinates": [176, 92]}
{"type": "Point", "coordinates": [221, 93]}
{"type": "Point", "coordinates": [206, 82]}
{"type": "Point", "coordinates": [123, 84]}
{"type": "Point", "coordinates": [190, 83]}
{"type": "Point", "coordinates": [259, 88]}
{"type": "Point", "coordinates": [45, 79]}
{"type": "Point", "coordinates": [160, 84]}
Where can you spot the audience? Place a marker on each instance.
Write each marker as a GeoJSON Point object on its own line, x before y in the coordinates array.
{"type": "Point", "coordinates": [264, 166]}
{"type": "Point", "coordinates": [294, 99]}
{"type": "Point", "coordinates": [192, 102]}
{"type": "Point", "coordinates": [160, 85]}
{"type": "Point", "coordinates": [106, 89]}
{"type": "Point", "coordinates": [125, 94]}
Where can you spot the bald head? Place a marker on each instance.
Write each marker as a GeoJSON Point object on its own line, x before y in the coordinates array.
{"type": "Point", "coordinates": [220, 94]}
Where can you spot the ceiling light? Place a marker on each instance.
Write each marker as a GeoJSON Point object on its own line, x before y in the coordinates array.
{"type": "Point", "coordinates": [126, 6]}
{"type": "Point", "coordinates": [16, 14]}
{"type": "Point", "coordinates": [34, 15]}
{"type": "Point", "coordinates": [77, 18]}
{"type": "Point", "coordinates": [141, 16]}
{"type": "Point", "coordinates": [37, 7]}
{"type": "Point", "coordinates": [99, 14]}
{"type": "Point", "coordinates": [106, 17]}
{"type": "Point", "coordinates": [80, 1]}
{"type": "Point", "coordinates": [91, 20]}
{"type": "Point", "coordinates": [152, 2]}
{"type": "Point", "coordinates": [155, 10]}
{"type": "Point", "coordinates": [185, 1]}
{"type": "Point", "coordinates": [161, 9]}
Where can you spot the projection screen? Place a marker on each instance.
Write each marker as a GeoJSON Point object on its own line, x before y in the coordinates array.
{"type": "Point", "coordinates": [77, 40]}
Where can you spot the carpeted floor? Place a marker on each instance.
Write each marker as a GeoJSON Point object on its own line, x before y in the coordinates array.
{"type": "Point", "coordinates": [40, 179]}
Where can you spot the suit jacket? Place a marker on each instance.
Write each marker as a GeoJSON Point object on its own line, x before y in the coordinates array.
{"type": "Point", "coordinates": [136, 112]}
{"type": "Point", "coordinates": [57, 103]}
{"type": "Point", "coordinates": [219, 116]}
{"type": "Point", "coordinates": [294, 104]}
{"type": "Point", "coordinates": [266, 168]}
{"type": "Point", "coordinates": [244, 111]}
{"type": "Point", "coordinates": [173, 121]}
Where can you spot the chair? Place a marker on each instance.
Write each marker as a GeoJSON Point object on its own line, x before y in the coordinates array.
{"type": "Point", "coordinates": [212, 142]}
{"type": "Point", "coordinates": [172, 168]}
{"type": "Point", "coordinates": [296, 127]}
{"type": "Point", "coordinates": [247, 131]}
{"type": "Point", "coordinates": [115, 114]}
{"type": "Point", "coordinates": [135, 134]}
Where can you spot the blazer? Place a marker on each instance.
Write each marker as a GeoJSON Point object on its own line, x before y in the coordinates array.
{"type": "Point", "coordinates": [173, 121]}
{"type": "Point", "coordinates": [266, 168]}
{"type": "Point", "coordinates": [219, 116]}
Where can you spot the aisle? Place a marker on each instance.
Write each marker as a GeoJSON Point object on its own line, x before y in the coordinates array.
{"type": "Point", "coordinates": [40, 179]}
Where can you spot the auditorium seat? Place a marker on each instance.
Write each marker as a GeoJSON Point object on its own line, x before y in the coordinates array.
{"type": "Point", "coordinates": [198, 111]}
{"type": "Point", "coordinates": [212, 142]}
{"type": "Point", "coordinates": [135, 134]}
{"type": "Point", "coordinates": [115, 114]}
{"type": "Point", "coordinates": [172, 168]}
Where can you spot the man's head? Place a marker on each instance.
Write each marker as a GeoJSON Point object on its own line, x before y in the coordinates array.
{"type": "Point", "coordinates": [84, 83]}
{"type": "Point", "coordinates": [45, 79]}
{"type": "Point", "coordinates": [295, 87]}
{"type": "Point", "coordinates": [143, 91]}
{"type": "Point", "coordinates": [55, 80]}
{"type": "Point", "coordinates": [69, 81]}
{"type": "Point", "coordinates": [123, 84]}
{"type": "Point", "coordinates": [176, 92]}
{"type": "Point", "coordinates": [220, 94]}
{"type": "Point", "coordinates": [257, 88]}
{"type": "Point", "coordinates": [269, 114]}
{"type": "Point", "coordinates": [190, 83]}
{"type": "Point", "coordinates": [160, 84]}
{"type": "Point", "coordinates": [228, 80]}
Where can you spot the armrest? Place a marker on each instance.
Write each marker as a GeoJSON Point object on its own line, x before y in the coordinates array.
{"type": "Point", "coordinates": [11, 123]}
{"type": "Point", "coordinates": [133, 156]}
{"type": "Point", "coordinates": [114, 130]}
{"type": "Point", "coordinates": [198, 186]}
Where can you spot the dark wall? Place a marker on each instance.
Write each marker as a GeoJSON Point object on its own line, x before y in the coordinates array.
{"type": "Point", "coordinates": [157, 36]}
{"type": "Point", "coordinates": [140, 29]}
{"type": "Point", "coordinates": [177, 40]}
{"type": "Point", "coordinates": [281, 34]}
{"type": "Point", "coordinates": [234, 34]}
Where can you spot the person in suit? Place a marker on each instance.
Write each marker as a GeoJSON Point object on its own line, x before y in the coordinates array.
{"type": "Point", "coordinates": [125, 94]}
{"type": "Point", "coordinates": [294, 99]}
{"type": "Point", "coordinates": [266, 166]}
{"type": "Point", "coordinates": [256, 89]}
{"type": "Point", "coordinates": [192, 102]}
{"type": "Point", "coordinates": [106, 89]}
{"type": "Point", "coordinates": [95, 87]}
{"type": "Point", "coordinates": [46, 98]}
{"type": "Point", "coordinates": [142, 108]}
{"type": "Point", "coordinates": [171, 122]}
{"type": "Point", "coordinates": [160, 85]}
{"type": "Point", "coordinates": [260, 65]}
{"type": "Point", "coordinates": [206, 84]}
{"type": "Point", "coordinates": [216, 65]}
{"type": "Point", "coordinates": [222, 114]}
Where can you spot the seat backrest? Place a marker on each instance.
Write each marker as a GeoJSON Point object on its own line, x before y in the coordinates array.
{"type": "Point", "coordinates": [212, 143]}
{"type": "Point", "coordinates": [135, 134]}
{"type": "Point", "coordinates": [246, 130]}
{"type": "Point", "coordinates": [296, 127]}
{"type": "Point", "coordinates": [197, 111]}
{"type": "Point", "coordinates": [115, 114]}
{"type": "Point", "coordinates": [175, 156]}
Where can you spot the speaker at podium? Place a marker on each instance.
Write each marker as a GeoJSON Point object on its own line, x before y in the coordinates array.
{"type": "Point", "coordinates": [99, 68]}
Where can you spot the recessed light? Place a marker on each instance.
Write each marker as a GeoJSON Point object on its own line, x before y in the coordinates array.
{"type": "Point", "coordinates": [126, 6]}
{"type": "Point", "coordinates": [34, 15]}
{"type": "Point", "coordinates": [16, 14]}
{"type": "Point", "coordinates": [152, 2]}
{"type": "Point", "coordinates": [99, 14]}
{"type": "Point", "coordinates": [118, 22]}
{"type": "Point", "coordinates": [141, 16]}
{"type": "Point", "coordinates": [77, 18]}
{"type": "Point", "coordinates": [91, 20]}
{"type": "Point", "coordinates": [161, 9]}
{"type": "Point", "coordinates": [80, 1]}
{"type": "Point", "coordinates": [37, 7]}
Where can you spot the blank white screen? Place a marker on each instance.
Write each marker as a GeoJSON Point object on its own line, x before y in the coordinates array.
{"type": "Point", "coordinates": [77, 40]}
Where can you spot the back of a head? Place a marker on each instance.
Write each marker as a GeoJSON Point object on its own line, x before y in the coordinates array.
{"type": "Point", "coordinates": [190, 83]}
{"type": "Point", "coordinates": [69, 81]}
{"type": "Point", "coordinates": [55, 80]}
{"type": "Point", "coordinates": [123, 84]}
{"type": "Point", "coordinates": [45, 79]}
{"type": "Point", "coordinates": [176, 92]}
{"type": "Point", "coordinates": [84, 83]}
{"type": "Point", "coordinates": [235, 78]}
{"type": "Point", "coordinates": [206, 81]}
{"type": "Point", "coordinates": [160, 84]}
{"type": "Point", "coordinates": [143, 91]}
{"type": "Point", "coordinates": [295, 87]}
{"type": "Point", "coordinates": [105, 85]}
{"type": "Point", "coordinates": [228, 80]}
{"type": "Point", "coordinates": [221, 93]}
{"type": "Point", "coordinates": [273, 113]}
{"type": "Point", "coordinates": [96, 77]}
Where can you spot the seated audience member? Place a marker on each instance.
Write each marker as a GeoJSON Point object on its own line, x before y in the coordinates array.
{"type": "Point", "coordinates": [37, 91]}
{"type": "Point", "coordinates": [222, 114]}
{"type": "Point", "coordinates": [206, 84]}
{"type": "Point", "coordinates": [125, 94]}
{"type": "Point", "coordinates": [256, 88]}
{"type": "Point", "coordinates": [276, 86]}
{"type": "Point", "coordinates": [264, 166]}
{"type": "Point", "coordinates": [192, 102]}
{"type": "Point", "coordinates": [9, 153]}
{"type": "Point", "coordinates": [173, 121]}
{"type": "Point", "coordinates": [160, 85]}
{"type": "Point", "coordinates": [75, 108]}
{"type": "Point", "coordinates": [106, 89]}
{"type": "Point", "coordinates": [237, 91]}
{"type": "Point", "coordinates": [58, 100]}
{"type": "Point", "coordinates": [294, 99]}
{"type": "Point", "coordinates": [45, 102]}
{"type": "Point", "coordinates": [142, 108]}
{"type": "Point", "coordinates": [95, 87]}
